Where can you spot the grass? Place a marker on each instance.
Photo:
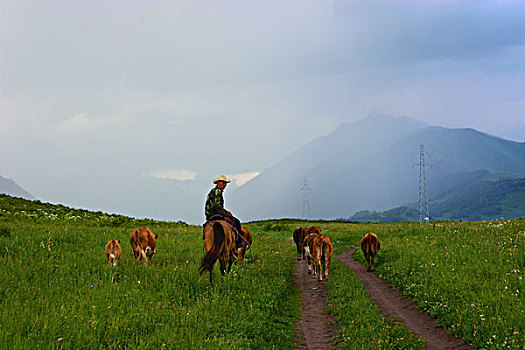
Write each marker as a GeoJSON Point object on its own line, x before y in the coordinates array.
{"type": "Point", "coordinates": [58, 291]}
{"type": "Point", "coordinates": [468, 276]}
{"type": "Point", "coordinates": [361, 325]}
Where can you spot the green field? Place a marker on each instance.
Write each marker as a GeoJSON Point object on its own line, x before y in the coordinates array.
{"type": "Point", "coordinates": [59, 292]}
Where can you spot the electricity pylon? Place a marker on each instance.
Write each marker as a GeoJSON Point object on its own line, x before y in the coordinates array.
{"type": "Point", "coordinates": [306, 199]}
{"type": "Point", "coordinates": [423, 196]}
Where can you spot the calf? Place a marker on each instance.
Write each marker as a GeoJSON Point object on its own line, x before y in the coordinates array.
{"type": "Point", "coordinates": [113, 252]}
{"type": "Point", "coordinates": [370, 246]}
{"type": "Point", "coordinates": [298, 238]}
{"type": "Point", "coordinates": [143, 244]}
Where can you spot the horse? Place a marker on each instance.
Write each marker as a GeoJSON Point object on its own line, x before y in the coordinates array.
{"type": "Point", "coordinates": [219, 243]}
{"type": "Point", "coordinates": [298, 238]}
{"type": "Point", "coordinates": [247, 237]}
{"type": "Point", "coordinates": [370, 246]}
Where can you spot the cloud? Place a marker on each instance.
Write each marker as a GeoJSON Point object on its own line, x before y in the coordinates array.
{"type": "Point", "coordinates": [241, 179]}
{"type": "Point", "coordinates": [79, 123]}
{"type": "Point", "coordinates": [174, 174]}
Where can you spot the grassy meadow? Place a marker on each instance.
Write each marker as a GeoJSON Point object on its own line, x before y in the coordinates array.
{"type": "Point", "coordinates": [470, 275]}
{"type": "Point", "coordinates": [59, 292]}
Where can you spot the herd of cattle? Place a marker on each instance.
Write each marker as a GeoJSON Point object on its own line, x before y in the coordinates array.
{"type": "Point", "coordinates": [312, 246]}
{"type": "Point", "coordinates": [143, 243]}
{"type": "Point", "coordinates": [317, 249]}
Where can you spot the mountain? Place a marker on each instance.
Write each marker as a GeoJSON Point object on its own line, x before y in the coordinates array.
{"type": "Point", "coordinates": [478, 196]}
{"type": "Point", "coordinates": [8, 186]}
{"type": "Point", "coordinates": [516, 133]}
{"type": "Point", "coordinates": [370, 165]}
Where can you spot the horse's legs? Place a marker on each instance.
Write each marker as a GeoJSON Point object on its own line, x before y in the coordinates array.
{"type": "Point", "coordinates": [373, 257]}
{"type": "Point", "coordinates": [223, 266]}
{"type": "Point", "coordinates": [368, 261]}
{"type": "Point", "coordinates": [230, 261]}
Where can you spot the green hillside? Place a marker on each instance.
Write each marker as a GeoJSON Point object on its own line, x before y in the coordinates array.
{"type": "Point", "coordinates": [58, 291]}
{"type": "Point", "coordinates": [479, 196]}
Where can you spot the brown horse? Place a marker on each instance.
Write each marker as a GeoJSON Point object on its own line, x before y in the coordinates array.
{"type": "Point", "coordinates": [247, 236]}
{"type": "Point", "coordinates": [370, 246]}
{"type": "Point", "coordinates": [298, 238]}
{"type": "Point", "coordinates": [219, 243]}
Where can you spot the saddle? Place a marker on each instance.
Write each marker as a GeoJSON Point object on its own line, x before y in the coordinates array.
{"type": "Point", "coordinates": [220, 217]}
{"type": "Point", "coordinates": [223, 218]}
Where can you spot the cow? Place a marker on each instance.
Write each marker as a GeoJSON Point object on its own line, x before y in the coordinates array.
{"type": "Point", "coordinates": [247, 236]}
{"type": "Point", "coordinates": [298, 238]}
{"type": "Point", "coordinates": [322, 250]}
{"type": "Point", "coordinates": [143, 243]}
{"type": "Point", "coordinates": [311, 233]}
{"type": "Point", "coordinates": [370, 246]}
{"type": "Point", "coordinates": [113, 251]}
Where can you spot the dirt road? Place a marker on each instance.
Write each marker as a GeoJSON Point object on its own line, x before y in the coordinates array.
{"type": "Point", "coordinates": [316, 328]}
{"type": "Point", "coordinates": [395, 305]}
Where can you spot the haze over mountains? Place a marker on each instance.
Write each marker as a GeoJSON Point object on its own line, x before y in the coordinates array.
{"type": "Point", "coordinates": [370, 165]}
{"type": "Point", "coordinates": [8, 186]}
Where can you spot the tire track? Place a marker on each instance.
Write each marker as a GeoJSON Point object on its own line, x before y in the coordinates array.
{"type": "Point", "coordinates": [396, 306]}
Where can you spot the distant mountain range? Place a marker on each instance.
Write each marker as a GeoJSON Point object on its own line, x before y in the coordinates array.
{"type": "Point", "coordinates": [8, 186]}
{"type": "Point", "coordinates": [477, 196]}
{"type": "Point", "coordinates": [366, 171]}
{"type": "Point", "coordinates": [371, 165]}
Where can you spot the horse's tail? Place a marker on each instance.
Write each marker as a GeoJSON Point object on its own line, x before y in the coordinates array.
{"type": "Point", "coordinates": [212, 255]}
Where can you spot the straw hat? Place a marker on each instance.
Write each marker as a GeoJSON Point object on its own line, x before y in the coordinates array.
{"type": "Point", "coordinates": [221, 178]}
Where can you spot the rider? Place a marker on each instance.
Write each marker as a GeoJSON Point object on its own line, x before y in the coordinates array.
{"type": "Point", "coordinates": [215, 208]}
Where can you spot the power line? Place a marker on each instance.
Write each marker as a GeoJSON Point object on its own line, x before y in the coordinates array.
{"type": "Point", "coordinates": [423, 195]}
{"type": "Point", "coordinates": [306, 199]}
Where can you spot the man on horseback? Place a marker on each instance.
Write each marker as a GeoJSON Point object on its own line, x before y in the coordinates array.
{"type": "Point", "coordinates": [214, 209]}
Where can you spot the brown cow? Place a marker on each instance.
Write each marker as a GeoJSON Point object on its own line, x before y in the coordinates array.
{"type": "Point", "coordinates": [143, 244]}
{"type": "Point", "coordinates": [113, 252]}
{"type": "Point", "coordinates": [370, 246]}
{"type": "Point", "coordinates": [311, 233]}
{"type": "Point", "coordinates": [298, 238]}
{"type": "Point", "coordinates": [321, 249]}
{"type": "Point", "coordinates": [247, 236]}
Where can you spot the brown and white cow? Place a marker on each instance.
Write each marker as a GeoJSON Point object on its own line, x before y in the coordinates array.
{"type": "Point", "coordinates": [113, 252]}
{"type": "Point", "coordinates": [311, 233]}
{"type": "Point", "coordinates": [298, 238]}
{"type": "Point", "coordinates": [370, 245]}
{"type": "Point", "coordinates": [143, 243]}
{"type": "Point", "coordinates": [321, 249]}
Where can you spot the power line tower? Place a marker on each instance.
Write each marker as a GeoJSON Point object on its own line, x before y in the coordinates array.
{"type": "Point", "coordinates": [423, 196]}
{"type": "Point", "coordinates": [306, 199]}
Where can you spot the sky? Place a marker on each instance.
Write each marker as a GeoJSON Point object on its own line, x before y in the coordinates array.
{"type": "Point", "coordinates": [97, 97]}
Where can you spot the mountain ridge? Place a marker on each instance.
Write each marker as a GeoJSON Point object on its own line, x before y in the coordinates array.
{"type": "Point", "coordinates": [10, 187]}
{"type": "Point", "coordinates": [371, 168]}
